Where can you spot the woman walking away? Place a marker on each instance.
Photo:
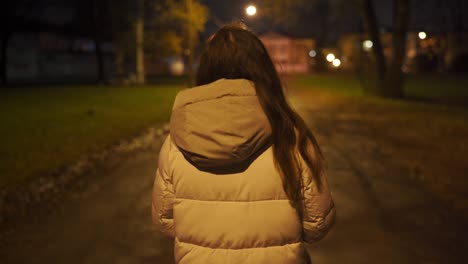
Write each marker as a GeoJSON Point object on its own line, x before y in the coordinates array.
{"type": "Point", "coordinates": [241, 178]}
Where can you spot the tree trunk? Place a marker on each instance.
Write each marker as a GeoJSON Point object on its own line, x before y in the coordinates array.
{"type": "Point", "coordinates": [387, 80]}
{"type": "Point", "coordinates": [190, 52]}
{"type": "Point", "coordinates": [4, 58]}
{"type": "Point", "coordinates": [393, 85]}
{"type": "Point", "coordinates": [140, 63]}
{"type": "Point", "coordinates": [140, 53]}
{"type": "Point", "coordinates": [119, 61]}
{"type": "Point", "coordinates": [101, 78]}
{"type": "Point", "coordinates": [371, 26]}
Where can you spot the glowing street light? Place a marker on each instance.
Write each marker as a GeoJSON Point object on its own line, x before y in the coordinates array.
{"type": "Point", "coordinates": [312, 53]}
{"type": "Point", "coordinates": [367, 45]}
{"type": "Point", "coordinates": [336, 63]}
{"type": "Point", "coordinates": [251, 10]}
{"type": "Point", "coordinates": [330, 57]}
{"type": "Point", "coordinates": [422, 35]}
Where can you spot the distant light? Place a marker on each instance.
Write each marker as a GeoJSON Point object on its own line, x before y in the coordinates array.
{"type": "Point", "coordinates": [422, 35]}
{"type": "Point", "coordinates": [177, 67]}
{"type": "Point", "coordinates": [251, 10]}
{"type": "Point", "coordinates": [336, 63]}
{"type": "Point", "coordinates": [312, 53]}
{"type": "Point", "coordinates": [367, 44]}
{"type": "Point", "coordinates": [330, 57]}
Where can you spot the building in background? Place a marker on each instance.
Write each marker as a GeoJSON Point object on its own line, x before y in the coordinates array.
{"type": "Point", "coordinates": [44, 57]}
{"type": "Point", "coordinates": [290, 55]}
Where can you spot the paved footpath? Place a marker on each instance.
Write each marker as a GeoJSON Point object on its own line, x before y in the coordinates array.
{"type": "Point", "coordinates": [108, 222]}
{"type": "Point", "coordinates": [383, 217]}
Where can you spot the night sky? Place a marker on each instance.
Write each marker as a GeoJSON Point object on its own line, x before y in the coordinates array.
{"type": "Point", "coordinates": [428, 15]}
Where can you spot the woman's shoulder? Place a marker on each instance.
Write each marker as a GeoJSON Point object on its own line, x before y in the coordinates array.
{"type": "Point", "coordinates": [167, 154]}
{"type": "Point", "coordinates": [169, 146]}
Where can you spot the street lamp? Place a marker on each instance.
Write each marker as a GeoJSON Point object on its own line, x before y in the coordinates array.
{"type": "Point", "coordinates": [330, 57]}
{"type": "Point", "coordinates": [251, 10]}
{"type": "Point", "coordinates": [336, 63]}
{"type": "Point", "coordinates": [367, 45]}
{"type": "Point", "coordinates": [422, 35]}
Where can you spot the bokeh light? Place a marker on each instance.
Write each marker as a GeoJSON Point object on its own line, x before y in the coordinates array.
{"type": "Point", "coordinates": [422, 35]}
{"type": "Point", "coordinates": [251, 10]}
{"type": "Point", "coordinates": [312, 53]}
{"type": "Point", "coordinates": [336, 63]}
{"type": "Point", "coordinates": [367, 44]}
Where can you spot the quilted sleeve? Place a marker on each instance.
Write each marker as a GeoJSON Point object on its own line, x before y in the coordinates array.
{"type": "Point", "coordinates": [163, 193]}
{"type": "Point", "coordinates": [319, 209]}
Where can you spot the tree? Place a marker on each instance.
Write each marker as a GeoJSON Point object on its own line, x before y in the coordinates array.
{"type": "Point", "coordinates": [388, 78]}
{"type": "Point", "coordinates": [163, 34]}
{"type": "Point", "coordinates": [121, 28]}
{"type": "Point", "coordinates": [121, 22]}
{"type": "Point", "coordinates": [192, 17]}
{"type": "Point", "coordinates": [152, 29]}
{"type": "Point", "coordinates": [93, 21]}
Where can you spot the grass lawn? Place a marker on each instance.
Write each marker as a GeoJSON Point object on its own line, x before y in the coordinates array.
{"type": "Point", "coordinates": [431, 87]}
{"type": "Point", "coordinates": [45, 128]}
{"type": "Point", "coordinates": [450, 92]}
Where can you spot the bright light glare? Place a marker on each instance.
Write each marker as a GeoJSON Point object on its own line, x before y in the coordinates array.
{"type": "Point", "coordinates": [312, 53]}
{"type": "Point", "coordinates": [251, 10]}
{"type": "Point", "coordinates": [367, 44]}
{"type": "Point", "coordinates": [422, 35]}
{"type": "Point", "coordinates": [330, 57]}
{"type": "Point", "coordinates": [336, 63]}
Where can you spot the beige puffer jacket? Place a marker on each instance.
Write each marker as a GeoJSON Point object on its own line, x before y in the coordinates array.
{"type": "Point", "coordinates": [217, 191]}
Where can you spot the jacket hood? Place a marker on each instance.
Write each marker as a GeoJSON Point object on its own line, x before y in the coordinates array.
{"type": "Point", "coordinates": [221, 126]}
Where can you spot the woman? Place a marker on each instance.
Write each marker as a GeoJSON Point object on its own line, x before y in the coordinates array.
{"type": "Point", "coordinates": [240, 177]}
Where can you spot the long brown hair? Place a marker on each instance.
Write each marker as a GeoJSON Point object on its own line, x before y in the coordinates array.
{"type": "Point", "coordinates": [234, 52]}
